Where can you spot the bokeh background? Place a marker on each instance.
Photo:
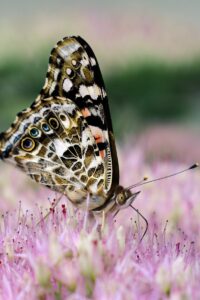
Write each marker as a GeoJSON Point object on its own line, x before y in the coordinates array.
{"type": "Point", "coordinates": [149, 53]}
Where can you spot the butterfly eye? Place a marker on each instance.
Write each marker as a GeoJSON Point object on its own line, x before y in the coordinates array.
{"type": "Point", "coordinates": [53, 122]}
{"type": "Point", "coordinates": [45, 127]}
{"type": "Point", "coordinates": [34, 132]}
{"type": "Point", "coordinates": [70, 73]}
{"type": "Point", "coordinates": [28, 144]}
{"type": "Point", "coordinates": [120, 199]}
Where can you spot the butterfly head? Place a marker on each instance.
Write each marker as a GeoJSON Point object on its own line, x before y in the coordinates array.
{"type": "Point", "coordinates": [124, 197]}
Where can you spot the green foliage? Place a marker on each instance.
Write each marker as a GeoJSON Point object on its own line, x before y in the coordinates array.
{"type": "Point", "coordinates": [21, 79]}
{"type": "Point", "coordinates": [153, 92]}
{"type": "Point", "coordinates": [138, 94]}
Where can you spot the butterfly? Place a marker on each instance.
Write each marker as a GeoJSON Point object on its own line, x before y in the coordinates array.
{"type": "Point", "coordinates": [65, 139]}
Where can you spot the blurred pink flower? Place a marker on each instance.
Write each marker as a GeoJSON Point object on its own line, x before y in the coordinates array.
{"type": "Point", "coordinates": [170, 142]}
{"type": "Point", "coordinates": [65, 256]}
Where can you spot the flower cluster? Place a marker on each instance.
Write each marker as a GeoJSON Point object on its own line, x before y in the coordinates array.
{"type": "Point", "coordinates": [67, 255]}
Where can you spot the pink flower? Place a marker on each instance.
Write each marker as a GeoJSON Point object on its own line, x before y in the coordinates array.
{"type": "Point", "coordinates": [65, 257]}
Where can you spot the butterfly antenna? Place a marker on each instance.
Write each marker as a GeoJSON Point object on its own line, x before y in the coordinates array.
{"type": "Point", "coordinates": [194, 166]}
{"type": "Point", "coordinates": [145, 220]}
{"type": "Point", "coordinates": [145, 178]}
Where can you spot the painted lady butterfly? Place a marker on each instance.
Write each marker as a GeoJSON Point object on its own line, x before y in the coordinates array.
{"type": "Point", "coordinates": [65, 139]}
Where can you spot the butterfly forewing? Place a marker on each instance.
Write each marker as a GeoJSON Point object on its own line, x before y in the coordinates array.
{"type": "Point", "coordinates": [74, 73]}
{"type": "Point", "coordinates": [65, 139]}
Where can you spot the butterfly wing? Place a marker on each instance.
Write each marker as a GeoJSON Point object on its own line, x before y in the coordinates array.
{"type": "Point", "coordinates": [74, 73]}
{"type": "Point", "coordinates": [53, 144]}
{"type": "Point", "coordinates": [74, 160]}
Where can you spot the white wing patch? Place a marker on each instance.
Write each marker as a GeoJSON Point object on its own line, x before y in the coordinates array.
{"type": "Point", "coordinates": [93, 91]}
{"type": "Point", "coordinates": [67, 85]}
{"type": "Point", "coordinates": [67, 50]}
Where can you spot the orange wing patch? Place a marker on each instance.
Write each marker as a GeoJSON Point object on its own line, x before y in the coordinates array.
{"type": "Point", "coordinates": [85, 112]}
{"type": "Point", "coordinates": [99, 138]}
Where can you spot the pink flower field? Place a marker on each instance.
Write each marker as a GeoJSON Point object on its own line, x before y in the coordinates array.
{"type": "Point", "coordinates": [67, 255]}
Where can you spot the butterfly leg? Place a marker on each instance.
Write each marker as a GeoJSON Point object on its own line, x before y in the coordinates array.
{"type": "Point", "coordinates": [103, 220]}
{"type": "Point", "coordinates": [101, 224]}
{"type": "Point", "coordinates": [89, 220]}
{"type": "Point", "coordinates": [100, 218]}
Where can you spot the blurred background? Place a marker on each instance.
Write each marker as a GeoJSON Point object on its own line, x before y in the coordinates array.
{"type": "Point", "coordinates": [149, 53]}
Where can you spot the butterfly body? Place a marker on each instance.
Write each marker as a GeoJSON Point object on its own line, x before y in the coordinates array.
{"type": "Point", "coordinates": [65, 140]}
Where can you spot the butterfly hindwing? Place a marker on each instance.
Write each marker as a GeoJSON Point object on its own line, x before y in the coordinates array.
{"type": "Point", "coordinates": [59, 151]}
